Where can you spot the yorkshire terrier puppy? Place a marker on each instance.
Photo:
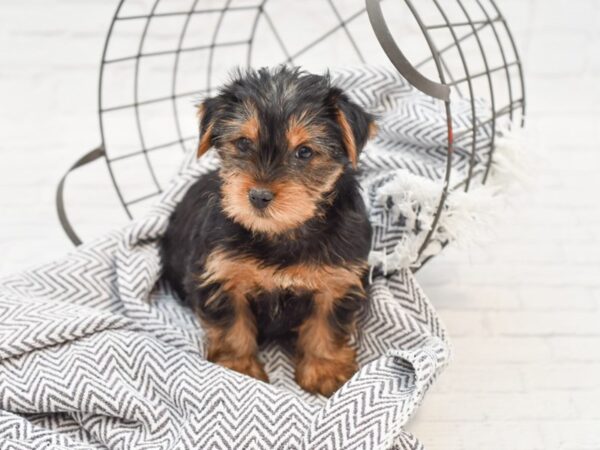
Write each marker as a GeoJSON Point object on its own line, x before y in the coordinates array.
{"type": "Point", "coordinates": [276, 241]}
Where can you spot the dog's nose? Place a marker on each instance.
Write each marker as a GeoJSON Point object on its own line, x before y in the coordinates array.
{"type": "Point", "coordinates": [260, 197]}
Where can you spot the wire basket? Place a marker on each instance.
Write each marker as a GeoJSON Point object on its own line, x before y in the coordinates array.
{"type": "Point", "coordinates": [161, 56]}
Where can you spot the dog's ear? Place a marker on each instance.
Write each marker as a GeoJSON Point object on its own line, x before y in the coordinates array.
{"type": "Point", "coordinates": [206, 113]}
{"type": "Point", "coordinates": [357, 125]}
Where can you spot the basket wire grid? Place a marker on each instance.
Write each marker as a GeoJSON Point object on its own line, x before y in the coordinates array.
{"type": "Point", "coordinates": [161, 56]}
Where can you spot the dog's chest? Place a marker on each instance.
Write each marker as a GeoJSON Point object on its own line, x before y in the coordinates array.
{"type": "Point", "coordinates": [280, 296]}
{"type": "Point", "coordinates": [249, 276]}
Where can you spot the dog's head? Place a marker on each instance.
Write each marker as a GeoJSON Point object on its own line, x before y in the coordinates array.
{"type": "Point", "coordinates": [284, 138]}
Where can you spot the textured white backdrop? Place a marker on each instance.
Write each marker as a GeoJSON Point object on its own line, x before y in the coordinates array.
{"type": "Point", "coordinates": [523, 311]}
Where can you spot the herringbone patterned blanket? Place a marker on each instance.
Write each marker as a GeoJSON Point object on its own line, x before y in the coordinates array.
{"type": "Point", "coordinates": [95, 352]}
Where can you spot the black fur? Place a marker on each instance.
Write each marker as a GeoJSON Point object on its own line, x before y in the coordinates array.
{"type": "Point", "coordinates": [198, 225]}
{"type": "Point", "coordinates": [340, 236]}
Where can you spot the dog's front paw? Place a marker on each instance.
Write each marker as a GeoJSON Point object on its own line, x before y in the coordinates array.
{"type": "Point", "coordinates": [324, 376]}
{"type": "Point", "coordinates": [248, 365]}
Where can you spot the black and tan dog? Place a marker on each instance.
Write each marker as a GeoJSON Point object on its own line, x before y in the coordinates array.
{"type": "Point", "coordinates": [276, 241]}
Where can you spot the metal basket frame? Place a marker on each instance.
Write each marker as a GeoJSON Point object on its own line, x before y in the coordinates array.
{"type": "Point", "coordinates": [494, 20]}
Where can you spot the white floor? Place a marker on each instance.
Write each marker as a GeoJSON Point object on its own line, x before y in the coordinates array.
{"type": "Point", "coordinates": [523, 311]}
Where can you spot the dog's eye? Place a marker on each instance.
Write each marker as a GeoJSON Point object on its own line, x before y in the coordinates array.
{"type": "Point", "coordinates": [243, 145]}
{"type": "Point", "coordinates": [304, 153]}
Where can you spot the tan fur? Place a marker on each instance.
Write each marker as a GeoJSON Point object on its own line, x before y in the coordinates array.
{"type": "Point", "coordinates": [235, 346]}
{"type": "Point", "coordinates": [205, 143]}
{"type": "Point", "coordinates": [301, 131]}
{"type": "Point", "coordinates": [248, 127]}
{"type": "Point", "coordinates": [373, 129]}
{"type": "Point", "coordinates": [297, 135]}
{"type": "Point", "coordinates": [245, 275]}
{"type": "Point", "coordinates": [293, 203]}
{"type": "Point", "coordinates": [325, 359]}
{"type": "Point", "coordinates": [348, 138]}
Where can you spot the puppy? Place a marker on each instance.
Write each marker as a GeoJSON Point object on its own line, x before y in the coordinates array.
{"type": "Point", "coordinates": [276, 241]}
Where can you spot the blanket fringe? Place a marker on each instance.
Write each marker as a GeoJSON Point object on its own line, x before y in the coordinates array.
{"type": "Point", "coordinates": [467, 217]}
